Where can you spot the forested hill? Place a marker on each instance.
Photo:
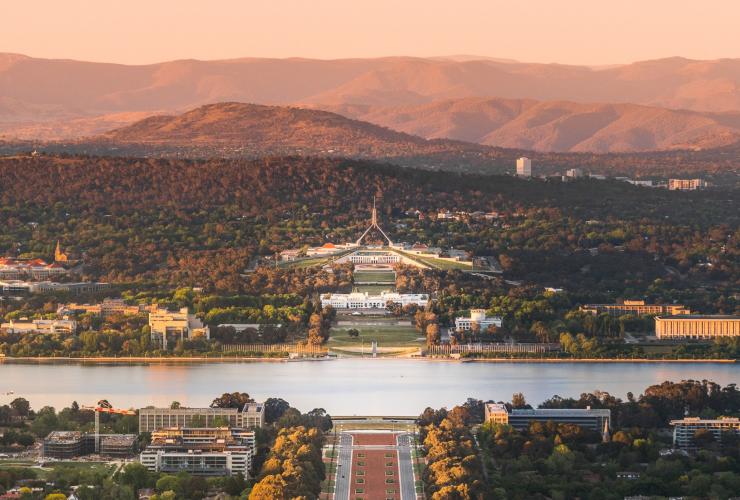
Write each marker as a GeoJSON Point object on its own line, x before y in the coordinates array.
{"type": "Point", "coordinates": [257, 129]}
{"type": "Point", "coordinates": [200, 223]}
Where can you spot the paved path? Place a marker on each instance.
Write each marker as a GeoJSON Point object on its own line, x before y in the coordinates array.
{"type": "Point", "coordinates": [406, 468]}
{"type": "Point", "coordinates": [344, 467]}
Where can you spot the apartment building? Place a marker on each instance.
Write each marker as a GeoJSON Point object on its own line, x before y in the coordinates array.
{"type": "Point", "coordinates": [250, 416]}
{"type": "Point", "coordinates": [685, 429]}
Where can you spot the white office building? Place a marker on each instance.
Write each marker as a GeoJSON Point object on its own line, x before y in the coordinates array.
{"type": "Point", "coordinates": [478, 319]}
{"type": "Point", "coordinates": [359, 300]}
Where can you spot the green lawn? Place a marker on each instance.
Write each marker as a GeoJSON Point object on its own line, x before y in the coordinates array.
{"type": "Point", "coordinates": [374, 276]}
{"type": "Point", "coordinates": [437, 263]}
{"type": "Point", "coordinates": [42, 473]}
{"type": "Point", "coordinates": [373, 289]}
{"type": "Point", "coordinates": [385, 335]}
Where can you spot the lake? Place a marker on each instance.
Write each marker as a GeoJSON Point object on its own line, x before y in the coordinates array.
{"type": "Point", "coordinates": [342, 386]}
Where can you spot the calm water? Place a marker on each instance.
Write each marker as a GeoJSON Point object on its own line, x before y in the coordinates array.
{"type": "Point", "coordinates": [342, 387]}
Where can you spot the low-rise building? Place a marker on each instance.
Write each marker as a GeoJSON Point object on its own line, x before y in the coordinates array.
{"type": "Point", "coordinates": [249, 416]}
{"type": "Point", "coordinates": [65, 325]}
{"type": "Point", "coordinates": [479, 320]}
{"type": "Point", "coordinates": [167, 325]}
{"type": "Point", "coordinates": [16, 288]}
{"type": "Point", "coordinates": [594, 419]}
{"type": "Point", "coordinates": [699, 327]}
{"type": "Point", "coordinates": [686, 184]}
{"type": "Point", "coordinates": [108, 307]}
{"type": "Point", "coordinates": [71, 444]}
{"type": "Point", "coordinates": [636, 307]}
{"type": "Point", "coordinates": [363, 300]}
{"type": "Point", "coordinates": [35, 269]}
{"type": "Point", "coordinates": [524, 167]}
{"type": "Point", "coordinates": [200, 451]}
{"type": "Point", "coordinates": [685, 429]}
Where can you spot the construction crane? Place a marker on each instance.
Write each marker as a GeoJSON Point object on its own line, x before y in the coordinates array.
{"type": "Point", "coordinates": [104, 406]}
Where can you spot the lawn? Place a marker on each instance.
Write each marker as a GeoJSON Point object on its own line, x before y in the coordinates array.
{"type": "Point", "coordinates": [373, 289]}
{"type": "Point", "coordinates": [437, 263]}
{"type": "Point", "coordinates": [374, 276]}
{"type": "Point", "coordinates": [385, 335]}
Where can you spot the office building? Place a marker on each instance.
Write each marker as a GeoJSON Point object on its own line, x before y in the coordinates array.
{"type": "Point", "coordinates": [596, 420]}
{"type": "Point", "coordinates": [686, 184]}
{"type": "Point", "coordinates": [363, 300]}
{"type": "Point", "coordinates": [71, 444]}
{"type": "Point", "coordinates": [685, 429]}
{"type": "Point", "coordinates": [108, 307]}
{"type": "Point", "coordinates": [167, 326]}
{"type": "Point", "coordinates": [202, 451]}
{"type": "Point", "coordinates": [696, 327]}
{"type": "Point", "coordinates": [636, 308]}
{"type": "Point", "coordinates": [524, 167]}
{"type": "Point", "coordinates": [477, 320]}
{"type": "Point", "coordinates": [65, 325]}
{"type": "Point", "coordinates": [153, 419]}
{"type": "Point", "coordinates": [17, 288]}
{"type": "Point", "coordinates": [374, 257]}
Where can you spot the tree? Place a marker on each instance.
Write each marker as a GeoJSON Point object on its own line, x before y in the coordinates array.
{"type": "Point", "coordinates": [433, 335]}
{"type": "Point", "coordinates": [21, 406]}
{"type": "Point", "coordinates": [353, 332]}
{"type": "Point", "coordinates": [703, 438]}
{"type": "Point", "coordinates": [274, 409]}
{"type": "Point", "coordinates": [175, 405]}
{"type": "Point", "coordinates": [136, 475]}
{"type": "Point", "coordinates": [518, 401]}
{"type": "Point", "coordinates": [232, 400]}
{"type": "Point", "coordinates": [272, 486]}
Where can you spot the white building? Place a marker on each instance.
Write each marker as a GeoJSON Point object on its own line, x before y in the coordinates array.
{"type": "Point", "coordinates": [477, 317]}
{"type": "Point", "coordinates": [164, 324]}
{"type": "Point", "coordinates": [358, 300]}
{"type": "Point", "coordinates": [524, 167]}
{"type": "Point", "coordinates": [574, 173]}
{"type": "Point", "coordinates": [40, 326]}
{"type": "Point", "coordinates": [374, 257]}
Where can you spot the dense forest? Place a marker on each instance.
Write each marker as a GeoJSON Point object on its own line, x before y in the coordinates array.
{"type": "Point", "coordinates": [201, 223]}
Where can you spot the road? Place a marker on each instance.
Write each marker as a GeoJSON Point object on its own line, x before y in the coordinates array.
{"type": "Point", "coordinates": [344, 467]}
{"type": "Point", "coordinates": [406, 468]}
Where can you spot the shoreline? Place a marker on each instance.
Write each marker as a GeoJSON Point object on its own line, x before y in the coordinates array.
{"type": "Point", "coordinates": [232, 359]}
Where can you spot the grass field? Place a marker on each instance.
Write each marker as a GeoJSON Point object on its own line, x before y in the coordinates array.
{"type": "Point", "coordinates": [43, 472]}
{"type": "Point", "coordinates": [385, 335]}
{"type": "Point", "coordinates": [373, 289]}
{"type": "Point", "coordinates": [374, 276]}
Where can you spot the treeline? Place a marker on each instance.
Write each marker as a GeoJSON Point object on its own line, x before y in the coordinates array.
{"type": "Point", "coordinates": [294, 468]}
{"type": "Point", "coordinates": [453, 468]}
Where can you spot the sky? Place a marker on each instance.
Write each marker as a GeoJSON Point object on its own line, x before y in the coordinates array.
{"type": "Point", "coordinates": [591, 32]}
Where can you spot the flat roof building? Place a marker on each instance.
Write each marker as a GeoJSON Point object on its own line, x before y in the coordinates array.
{"type": "Point", "coordinates": [363, 300]}
{"type": "Point", "coordinates": [210, 451]}
{"type": "Point", "coordinates": [593, 419]}
{"type": "Point", "coordinates": [167, 325]}
{"type": "Point", "coordinates": [685, 429]}
{"type": "Point", "coordinates": [154, 419]}
{"type": "Point", "coordinates": [66, 326]}
{"type": "Point", "coordinates": [478, 319]}
{"type": "Point", "coordinates": [71, 444]}
{"type": "Point", "coordinates": [696, 327]}
{"type": "Point", "coordinates": [686, 184]}
{"type": "Point", "coordinates": [636, 307]}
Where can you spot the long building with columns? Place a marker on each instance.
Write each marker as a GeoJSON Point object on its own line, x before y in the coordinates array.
{"type": "Point", "coordinates": [696, 327]}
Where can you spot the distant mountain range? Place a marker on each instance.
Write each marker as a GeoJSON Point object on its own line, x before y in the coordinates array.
{"type": "Point", "coordinates": [650, 105]}
{"type": "Point", "coordinates": [556, 125]}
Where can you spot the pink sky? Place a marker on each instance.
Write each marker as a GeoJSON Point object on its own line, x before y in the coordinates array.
{"type": "Point", "coordinates": [565, 31]}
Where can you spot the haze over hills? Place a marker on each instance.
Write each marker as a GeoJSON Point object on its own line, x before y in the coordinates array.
{"type": "Point", "coordinates": [556, 125]}
{"type": "Point", "coordinates": [51, 99]}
